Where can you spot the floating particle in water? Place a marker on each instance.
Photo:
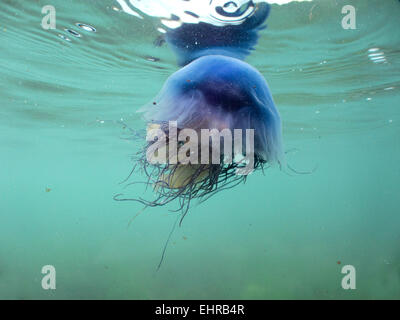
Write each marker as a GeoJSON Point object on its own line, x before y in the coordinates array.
{"type": "Point", "coordinates": [184, 238]}
{"type": "Point", "coordinates": [339, 262]}
{"type": "Point", "coordinates": [86, 27]}
{"type": "Point", "coordinates": [48, 190]}
{"type": "Point", "coordinates": [73, 32]}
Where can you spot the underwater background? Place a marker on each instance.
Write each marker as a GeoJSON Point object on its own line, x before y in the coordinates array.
{"type": "Point", "coordinates": [282, 235]}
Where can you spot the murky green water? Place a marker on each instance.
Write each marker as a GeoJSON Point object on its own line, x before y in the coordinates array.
{"type": "Point", "coordinates": [277, 236]}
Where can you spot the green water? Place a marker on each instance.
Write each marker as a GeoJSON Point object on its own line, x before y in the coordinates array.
{"type": "Point", "coordinates": [279, 236]}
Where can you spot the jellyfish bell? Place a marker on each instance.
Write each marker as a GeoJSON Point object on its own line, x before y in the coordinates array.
{"type": "Point", "coordinates": [222, 95]}
{"type": "Point", "coordinates": [219, 92]}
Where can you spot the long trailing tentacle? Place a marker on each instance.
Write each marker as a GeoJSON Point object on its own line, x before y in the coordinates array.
{"type": "Point", "coordinates": [167, 242]}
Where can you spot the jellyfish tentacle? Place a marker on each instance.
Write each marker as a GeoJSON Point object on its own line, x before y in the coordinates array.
{"type": "Point", "coordinates": [167, 242]}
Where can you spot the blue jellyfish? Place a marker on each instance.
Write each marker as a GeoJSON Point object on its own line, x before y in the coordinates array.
{"type": "Point", "coordinates": [214, 90]}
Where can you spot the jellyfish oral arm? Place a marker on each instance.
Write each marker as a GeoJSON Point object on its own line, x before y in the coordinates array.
{"type": "Point", "coordinates": [187, 148]}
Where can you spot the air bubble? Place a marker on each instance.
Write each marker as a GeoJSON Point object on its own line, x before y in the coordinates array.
{"type": "Point", "coordinates": [379, 60]}
{"type": "Point", "coordinates": [152, 59]}
{"type": "Point", "coordinates": [376, 55]}
{"type": "Point", "coordinates": [86, 27]}
{"type": "Point", "coordinates": [73, 32]}
{"type": "Point", "coordinates": [64, 38]}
